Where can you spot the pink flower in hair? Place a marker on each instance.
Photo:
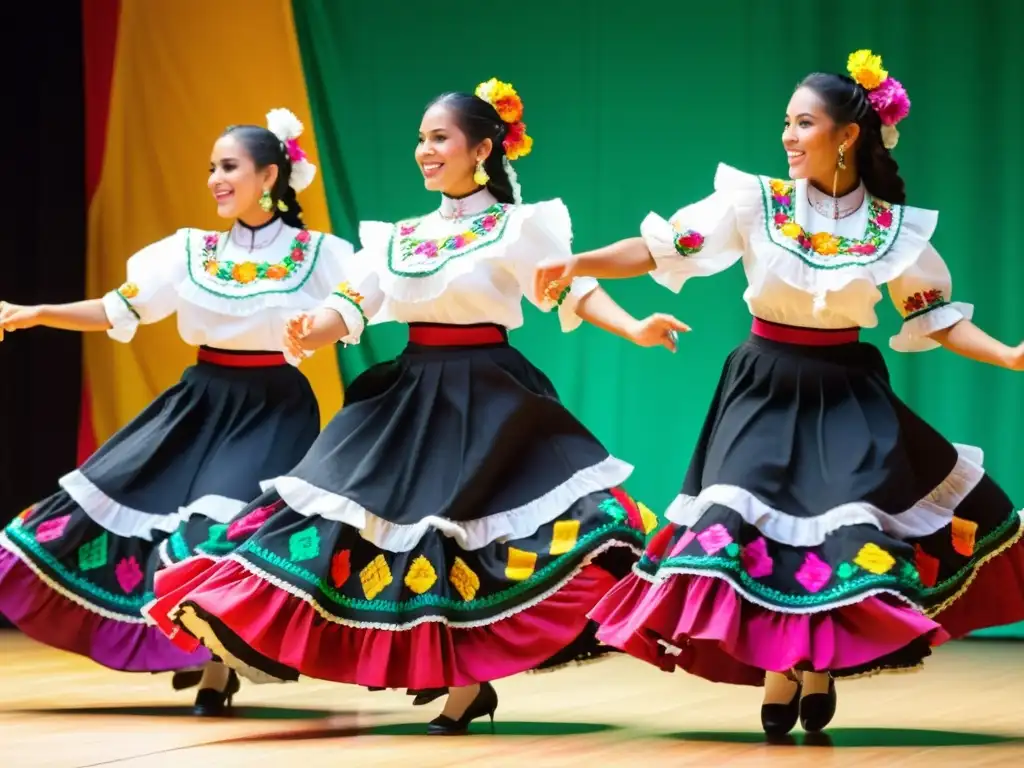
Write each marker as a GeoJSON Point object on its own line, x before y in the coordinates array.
{"type": "Point", "coordinates": [295, 152]}
{"type": "Point", "coordinates": [890, 101]}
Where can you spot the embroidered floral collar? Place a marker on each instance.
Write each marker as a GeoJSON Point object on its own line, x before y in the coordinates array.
{"type": "Point", "coordinates": [785, 203]}
{"type": "Point", "coordinates": [457, 208]}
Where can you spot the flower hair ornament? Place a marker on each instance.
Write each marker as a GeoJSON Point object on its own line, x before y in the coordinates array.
{"type": "Point", "coordinates": [886, 95]}
{"type": "Point", "coordinates": [287, 127]}
{"type": "Point", "coordinates": [517, 143]}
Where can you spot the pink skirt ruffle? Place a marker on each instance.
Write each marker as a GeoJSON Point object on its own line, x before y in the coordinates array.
{"type": "Point", "coordinates": [725, 638]}
{"type": "Point", "coordinates": [289, 631]}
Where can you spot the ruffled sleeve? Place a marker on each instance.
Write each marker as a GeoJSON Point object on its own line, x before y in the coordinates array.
{"type": "Point", "coordinates": [357, 296]}
{"type": "Point", "coordinates": [923, 296]}
{"type": "Point", "coordinates": [546, 232]}
{"type": "Point", "coordinates": [150, 292]}
{"type": "Point", "coordinates": [704, 238]}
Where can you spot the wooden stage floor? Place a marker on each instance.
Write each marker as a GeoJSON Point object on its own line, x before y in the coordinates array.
{"type": "Point", "coordinates": [61, 711]}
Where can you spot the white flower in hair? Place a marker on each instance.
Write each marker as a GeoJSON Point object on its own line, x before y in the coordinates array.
{"type": "Point", "coordinates": [890, 136]}
{"type": "Point", "coordinates": [287, 127]}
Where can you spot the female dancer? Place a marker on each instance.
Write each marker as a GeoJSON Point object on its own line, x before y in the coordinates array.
{"type": "Point", "coordinates": [76, 568]}
{"type": "Point", "coordinates": [821, 521]}
{"type": "Point", "coordinates": [454, 523]}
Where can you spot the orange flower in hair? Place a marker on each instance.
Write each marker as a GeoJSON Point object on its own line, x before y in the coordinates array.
{"type": "Point", "coordinates": [506, 102]}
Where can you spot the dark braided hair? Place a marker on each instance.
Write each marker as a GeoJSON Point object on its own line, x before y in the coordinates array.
{"type": "Point", "coordinates": [847, 102]}
{"type": "Point", "coordinates": [479, 120]}
{"type": "Point", "coordinates": [266, 149]}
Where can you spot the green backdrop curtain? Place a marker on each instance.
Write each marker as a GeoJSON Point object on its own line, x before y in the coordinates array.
{"type": "Point", "coordinates": [631, 106]}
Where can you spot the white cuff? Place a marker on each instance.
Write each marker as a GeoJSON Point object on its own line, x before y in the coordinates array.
{"type": "Point", "coordinates": [124, 320]}
{"type": "Point", "coordinates": [915, 336]}
{"type": "Point", "coordinates": [580, 288]}
{"type": "Point", "coordinates": [351, 313]}
{"type": "Point", "coordinates": [671, 270]}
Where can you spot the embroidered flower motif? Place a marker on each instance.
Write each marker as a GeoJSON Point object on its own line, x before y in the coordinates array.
{"type": "Point", "coordinates": [344, 291]}
{"type": "Point", "coordinates": [873, 559]}
{"type": "Point", "coordinates": [244, 272]}
{"type": "Point", "coordinates": [846, 570]}
{"type": "Point", "coordinates": [962, 531]}
{"type": "Point", "coordinates": [128, 574]}
{"type": "Point", "coordinates": [216, 540]}
{"type": "Point", "coordinates": [923, 300]}
{"type": "Point", "coordinates": [483, 224]}
{"type": "Point", "coordinates": [814, 574]}
{"type": "Point", "coordinates": [49, 530]}
{"type": "Point", "coordinates": [790, 228]}
{"type": "Point", "coordinates": [756, 560]}
{"type": "Point", "coordinates": [304, 545]}
{"type": "Point", "coordinates": [93, 554]}
{"type": "Point", "coordinates": [277, 272]}
{"type": "Point", "coordinates": [614, 509]}
{"type": "Point", "coordinates": [341, 567]}
{"type": "Point", "coordinates": [714, 538]}
{"type": "Point", "coordinates": [240, 529]}
{"type": "Point", "coordinates": [421, 575]}
{"type": "Point", "coordinates": [689, 242]}
{"type": "Point", "coordinates": [247, 272]}
{"type": "Point", "coordinates": [375, 577]}
{"type": "Point", "coordinates": [825, 244]}
{"type": "Point", "coordinates": [781, 215]}
{"type": "Point", "coordinates": [465, 581]}
{"type": "Point", "coordinates": [927, 566]}
{"type": "Point", "coordinates": [128, 290]}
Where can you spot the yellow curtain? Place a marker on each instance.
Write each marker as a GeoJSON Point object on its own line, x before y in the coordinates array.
{"type": "Point", "coordinates": [180, 78]}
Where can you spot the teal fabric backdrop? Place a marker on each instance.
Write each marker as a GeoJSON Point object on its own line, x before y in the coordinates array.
{"type": "Point", "coordinates": [631, 106]}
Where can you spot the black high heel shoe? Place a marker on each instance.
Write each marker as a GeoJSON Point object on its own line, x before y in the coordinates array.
{"type": "Point", "coordinates": [485, 703]}
{"type": "Point", "coordinates": [213, 703]}
{"type": "Point", "coordinates": [780, 719]}
{"type": "Point", "coordinates": [818, 709]}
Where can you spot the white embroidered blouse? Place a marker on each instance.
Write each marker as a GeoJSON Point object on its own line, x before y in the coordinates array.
{"type": "Point", "coordinates": [470, 261]}
{"type": "Point", "coordinates": [233, 290]}
{"type": "Point", "coordinates": [803, 267]}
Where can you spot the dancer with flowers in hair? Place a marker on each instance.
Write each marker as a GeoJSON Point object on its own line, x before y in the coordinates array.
{"type": "Point", "coordinates": [823, 530]}
{"type": "Point", "coordinates": [454, 523]}
{"type": "Point", "coordinates": [77, 568]}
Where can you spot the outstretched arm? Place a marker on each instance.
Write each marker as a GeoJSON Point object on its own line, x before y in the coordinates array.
{"type": "Point", "coordinates": [78, 316]}
{"type": "Point", "coordinates": [601, 310]}
{"type": "Point", "coordinates": [968, 340]}
{"type": "Point", "coordinates": [626, 258]}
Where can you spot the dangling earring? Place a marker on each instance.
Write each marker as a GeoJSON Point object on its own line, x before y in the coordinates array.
{"type": "Point", "coordinates": [281, 206]}
{"type": "Point", "coordinates": [266, 203]}
{"type": "Point", "coordinates": [840, 166]}
{"type": "Point", "coordinates": [480, 176]}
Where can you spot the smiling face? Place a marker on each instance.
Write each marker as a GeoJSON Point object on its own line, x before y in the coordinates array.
{"type": "Point", "coordinates": [444, 154]}
{"type": "Point", "coordinates": [236, 183]}
{"type": "Point", "coordinates": [812, 138]}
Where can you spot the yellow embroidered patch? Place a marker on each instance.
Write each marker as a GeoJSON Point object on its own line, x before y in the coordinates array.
{"type": "Point", "coordinates": [375, 577]}
{"type": "Point", "coordinates": [464, 580]}
{"type": "Point", "coordinates": [421, 575]}
{"type": "Point", "coordinates": [520, 564]}
{"type": "Point", "coordinates": [874, 559]}
{"type": "Point", "coordinates": [650, 519]}
{"type": "Point", "coordinates": [563, 537]}
{"type": "Point", "coordinates": [129, 290]}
